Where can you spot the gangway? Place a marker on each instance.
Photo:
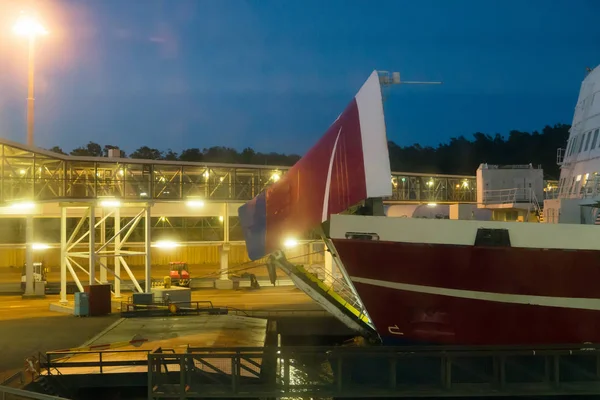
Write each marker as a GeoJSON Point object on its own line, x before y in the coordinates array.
{"type": "Point", "coordinates": [336, 295]}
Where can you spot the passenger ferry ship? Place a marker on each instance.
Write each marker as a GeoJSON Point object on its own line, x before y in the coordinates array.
{"type": "Point", "coordinates": [580, 161]}
{"type": "Point", "coordinates": [459, 281]}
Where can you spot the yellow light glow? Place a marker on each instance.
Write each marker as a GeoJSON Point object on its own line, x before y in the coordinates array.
{"type": "Point", "coordinates": [221, 218]}
{"type": "Point", "coordinates": [289, 243]}
{"type": "Point", "coordinates": [206, 174]}
{"type": "Point", "coordinates": [195, 203]}
{"type": "Point", "coordinates": [39, 246]}
{"type": "Point", "coordinates": [110, 203]}
{"type": "Point", "coordinates": [121, 172]}
{"type": "Point", "coordinates": [431, 204]}
{"type": "Point", "coordinates": [430, 183]}
{"type": "Point", "coordinates": [166, 244]}
{"type": "Point", "coordinates": [28, 26]}
{"type": "Point", "coordinates": [22, 172]}
{"type": "Point", "coordinates": [143, 194]}
{"type": "Point", "coordinates": [275, 177]}
{"type": "Point", "coordinates": [466, 184]}
{"type": "Point", "coordinates": [26, 205]}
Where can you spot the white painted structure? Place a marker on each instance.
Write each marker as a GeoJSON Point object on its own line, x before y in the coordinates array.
{"type": "Point", "coordinates": [579, 183]}
{"type": "Point", "coordinates": [438, 211]}
{"type": "Point", "coordinates": [509, 186]}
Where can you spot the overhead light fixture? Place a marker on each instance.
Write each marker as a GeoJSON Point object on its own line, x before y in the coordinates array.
{"type": "Point", "coordinates": [25, 205]}
{"type": "Point", "coordinates": [110, 203]}
{"type": "Point", "coordinates": [221, 218]}
{"type": "Point", "coordinates": [39, 246]}
{"type": "Point", "coordinates": [275, 177]}
{"type": "Point", "coordinates": [195, 203]}
{"type": "Point", "coordinates": [289, 243]}
{"type": "Point", "coordinates": [431, 204]}
{"type": "Point", "coordinates": [166, 244]}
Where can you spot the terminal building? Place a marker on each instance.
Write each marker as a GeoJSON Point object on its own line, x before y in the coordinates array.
{"type": "Point", "coordinates": [146, 214]}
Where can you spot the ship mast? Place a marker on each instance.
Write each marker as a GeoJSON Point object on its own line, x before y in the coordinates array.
{"type": "Point", "coordinates": [388, 79]}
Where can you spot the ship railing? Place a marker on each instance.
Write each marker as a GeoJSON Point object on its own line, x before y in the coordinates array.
{"type": "Point", "coordinates": [508, 196]}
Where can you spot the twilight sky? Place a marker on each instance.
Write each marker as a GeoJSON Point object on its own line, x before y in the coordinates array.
{"type": "Point", "coordinates": [273, 74]}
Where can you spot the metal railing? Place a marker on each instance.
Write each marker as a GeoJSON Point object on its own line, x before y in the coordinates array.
{"type": "Point", "coordinates": [8, 393]}
{"type": "Point", "coordinates": [434, 371]}
{"type": "Point", "coordinates": [508, 196]}
{"type": "Point", "coordinates": [374, 372]}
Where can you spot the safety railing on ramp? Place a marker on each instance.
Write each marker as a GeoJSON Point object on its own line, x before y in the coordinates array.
{"type": "Point", "coordinates": [333, 293]}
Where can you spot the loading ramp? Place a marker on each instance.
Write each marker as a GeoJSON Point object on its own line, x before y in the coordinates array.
{"type": "Point", "coordinates": [334, 294]}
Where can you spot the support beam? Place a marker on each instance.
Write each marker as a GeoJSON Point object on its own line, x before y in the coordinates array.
{"type": "Point", "coordinates": [224, 250]}
{"type": "Point", "coordinates": [148, 242]}
{"type": "Point", "coordinates": [92, 245]}
{"type": "Point", "coordinates": [63, 255]}
{"type": "Point", "coordinates": [224, 282]}
{"type": "Point", "coordinates": [103, 259]}
{"type": "Point", "coordinates": [117, 249]}
{"type": "Point", "coordinates": [29, 289]}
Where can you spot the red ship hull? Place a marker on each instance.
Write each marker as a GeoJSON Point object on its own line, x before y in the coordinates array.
{"type": "Point", "coordinates": [457, 294]}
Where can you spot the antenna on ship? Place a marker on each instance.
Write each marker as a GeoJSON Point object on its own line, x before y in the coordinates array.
{"type": "Point", "coordinates": [387, 79]}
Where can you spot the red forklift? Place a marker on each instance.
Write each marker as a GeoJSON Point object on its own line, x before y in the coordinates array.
{"type": "Point", "coordinates": [179, 274]}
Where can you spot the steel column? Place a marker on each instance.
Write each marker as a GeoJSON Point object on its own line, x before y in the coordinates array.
{"type": "Point", "coordinates": [63, 255]}
{"type": "Point", "coordinates": [103, 259]}
{"type": "Point", "coordinates": [117, 259]}
{"type": "Point", "coordinates": [92, 245]}
{"type": "Point", "coordinates": [29, 289]}
{"type": "Point", "coordinates": [148, 242]}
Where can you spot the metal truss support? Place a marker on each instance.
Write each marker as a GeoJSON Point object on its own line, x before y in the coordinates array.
{"type": "Point", "coordinates": [99, 253]}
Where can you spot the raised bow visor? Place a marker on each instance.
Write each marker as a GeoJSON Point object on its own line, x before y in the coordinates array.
{"type": "Point", "coordinates": [349, 164]}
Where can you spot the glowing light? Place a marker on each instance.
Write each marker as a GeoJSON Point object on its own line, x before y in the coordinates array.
{"type": "Point", "coordinates": [206, 174]}
{"type": "Point", "coordinates": [221, 218]}
{"type": "Point", "coordinates": [221, 178]}
{"type": "Point", "coordinates": [166, 244]}
{"type": "Point", "coordinates": [430, 182]}
{"type": "Point", "coordinates": [275, 177]}
{"type": "Point", "coordinates": [28, 26]}
{"type": "Point", "coordinates": [39, 246]}
{"type": "Point", "coordinates": [143, 194]}
{"type": "Point", "coordinates": [465, 184]}
{"type": "Point", "coordinates": [195, 203]}
{"type": "Point", "coordinates": [289, 243]}
{"type": "Point", "coordinates": [22, 172]}
{"type": "Point", "coordinates": [431, 204]}
{"type": "Point", "coordinates": [110, 203]}
{"type": "Point", "coordinates": [121, 172]}
{"type": "Point", "coordinates": [163, 219]}
{"type": "Point", "coordinates": [27, 205]}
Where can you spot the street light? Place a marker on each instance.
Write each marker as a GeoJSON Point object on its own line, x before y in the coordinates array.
{"type": "Point", "coordinates": [29, 27]}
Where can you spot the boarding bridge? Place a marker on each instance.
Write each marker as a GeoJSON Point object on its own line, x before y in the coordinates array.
{"type": "Point", "coordinates": [335, 294]}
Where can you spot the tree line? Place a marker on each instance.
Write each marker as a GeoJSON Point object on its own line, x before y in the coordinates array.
{"type": "Point", "coordinates": [459, 155]}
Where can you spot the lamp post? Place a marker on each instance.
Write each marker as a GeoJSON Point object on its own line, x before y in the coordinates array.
{"type": "Point", "coordinates": [29, 27]}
